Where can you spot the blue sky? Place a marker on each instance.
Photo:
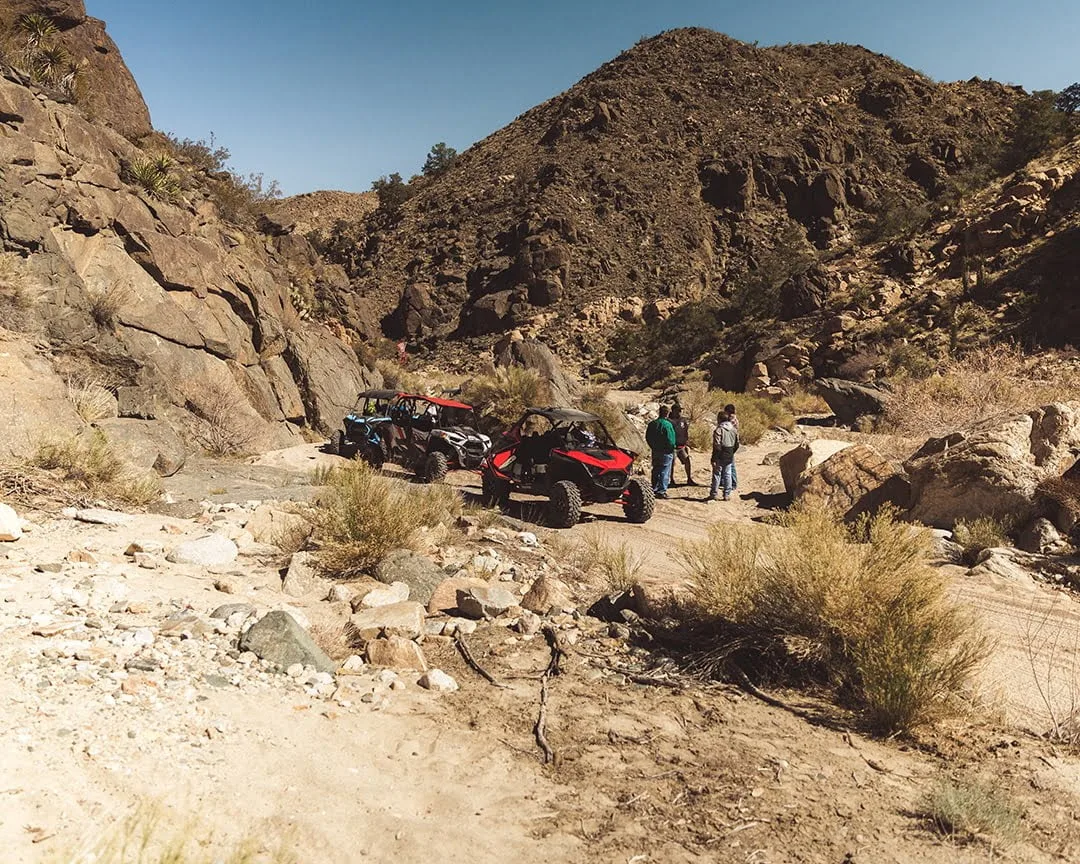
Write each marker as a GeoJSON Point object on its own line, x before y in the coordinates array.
{"type": "Point", "coordinates": [330, 94]}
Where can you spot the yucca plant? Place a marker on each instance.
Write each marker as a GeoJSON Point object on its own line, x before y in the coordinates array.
{"type": "Point", "coordinates": [37, 31]}
{"type": "Point", "coordinates": [49, 64]}
{"type": "Point", "coordinates": [154, 174]}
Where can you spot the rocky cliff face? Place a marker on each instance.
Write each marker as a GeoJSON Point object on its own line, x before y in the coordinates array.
{"type": "Point", "coordinates": [190, 320]}
{"type": "Point", "coordinates": [664, 177]}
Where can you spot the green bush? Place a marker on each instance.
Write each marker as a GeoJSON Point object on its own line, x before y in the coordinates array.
{"type": "Point", "coordinates": [392, 192]}
{"type": "Point", "coordinates": [967, 811]}
{"type": "Point", "coordinates": [502, 395]}
{"type": "Point", "coordinates": [1035, 127]}
{"type": "Point", "coordinates": [439, 160]}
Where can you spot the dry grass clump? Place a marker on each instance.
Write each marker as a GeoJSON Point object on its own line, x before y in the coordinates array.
{"type": "Point", "coordinates": [502, 395]}
{"type": "Point", "coordinates": [615, 565]}
{"type": "Point", "coordinates": [92, 399]}
{"type": "Point", "coordinates": [868, 611]}
{"type": "Point", "coordinates": [977, 535]}
{"type": "Point", "coordinates": [90, 465]}
{"type": "Point", "coordinates": [969, 811]}
{"type": "Point", "coordinates": [990, 381]}
{"type": "Point", "coordinates": [362, 515]}
{"type": "Point", "coordinates": [333, 639]}
{"type": "Point", "coordinates": [106, 303]}
{"type": "Point", "coordinates": [757, 414]}
{"type": "Point", "coordinates": [223, 426]}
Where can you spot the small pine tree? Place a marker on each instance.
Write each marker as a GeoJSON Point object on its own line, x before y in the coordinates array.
{"type": "Point", "coordinates": [392, 192]}
{"type": "Point", "coordinates": [439, 160]}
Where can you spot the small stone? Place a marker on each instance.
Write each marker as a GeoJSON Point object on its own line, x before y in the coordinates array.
{"type": "Point", "coordinates": [462, 626]}
{"type": "Point", "coordinates": [398, 619]}
{"type": "Point", "coordinates": [137, 685]}
{"type": "Point", "coordinates": [224, 587]}
{"type": "Point", "coordinates": [618, 631]}
{"type": "Point", "coordinates": [302, 577]}
{"type": "Point", "coordinates": [142, 664]}
{"type": "Point", "coordinates": [49, 567]}
{"type": "Point", "coordinates": [227, 610]}
{"type": "Point", "coordinates": [295, 671]}
{"type": "Point", "coordinates": [444, 597]}
{"type": "Point", "coordinates": [437, 680]}
{"type": "Point", "coordinates": [10, 526]}
{"type": "Point", "coordinates": [98, 516]}
{"type": "Point", "coordinates": [528, 539]}
{"type": "Point", "coordinates": [55, 628]}
{"type": "Point", "coordinates": [278, 638]}
{"type": "Point", "coordinates": [546, 594]}
{"type": "Point", "coordinates": [528, 624]}
{"type": "Point", "coordinates": [434, 627]}
{"type": "Point", "coordinates": [147, 561]}
{"type": "Point", "coordinates": [82, 556]}
{"type": "Point", "coordinates": [353, 664]}
{"type": "Point", "coordinates": [143, 636]}
{"type": "Point", "coordinates": [397, 685]}
{"type": "Point", "coordinates": [217, 681]}
{"type": "Point", "coordinates": [150, 547]}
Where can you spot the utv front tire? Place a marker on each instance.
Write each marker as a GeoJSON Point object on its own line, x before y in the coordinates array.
{"type": "Point", "coordinates": [435, 467]}
{"type": "Point", "coordinates": [639, 502]}
{"type": "Point", "coordinates": [564, 505]}
{"type": "Point", "coordinates": [494, 490]}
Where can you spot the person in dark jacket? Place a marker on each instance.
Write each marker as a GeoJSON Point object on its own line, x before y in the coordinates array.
{"type": "Point", "coordinates": [725, 443]}
{"type": "Point", "coordinates": [660, 436]}
{"type": "Point", "coordinates": [682, 443]}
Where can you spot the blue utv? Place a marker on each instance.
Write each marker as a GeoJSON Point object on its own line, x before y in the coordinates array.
{"type": "Point", "coordinates": [363, 428]}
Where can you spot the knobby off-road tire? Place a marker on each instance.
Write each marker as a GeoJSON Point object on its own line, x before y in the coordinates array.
{"type": "Point", "coordinates": [640, 501]}
{"type": "Point", "coordinates": [564, 505]}
{"type": "Point", "coordinates": [435, 467]}
{"type": "Point", "coordinates": [494, 490]}
{"type": "Point", "coordinates": [337, 443]}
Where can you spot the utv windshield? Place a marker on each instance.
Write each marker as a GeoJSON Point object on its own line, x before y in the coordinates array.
{"type": "Point", "coordinates": [563, 435]}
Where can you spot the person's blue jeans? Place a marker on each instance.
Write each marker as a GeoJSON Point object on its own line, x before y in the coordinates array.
{"type": "Point", "coordinates": [661, 471]}
{"type": "Point", "coordinates": [722, 475]}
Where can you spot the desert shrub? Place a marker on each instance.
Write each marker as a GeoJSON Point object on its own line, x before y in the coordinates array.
{"type": "Point", "coordinates": [106, 303]}
{"type": "Point", "coordinates": [990, 381]}
{"type": "Point", "coordinates": [92, 399]}
{"type": "Point", "coordinates": [799, 402]}
{"type": "Point", "coordinates": [908, 360]}
{"type": "Point", "coordinates": [206, 156]}
{"type": "Point", "coordinates": [439, 160]}
{"type": "Point", "coordinates": [222, 426]}
{"type": "Point", "coordinates": [649, 351]}
{"type": "Point", "coordinates": [1035, 127]}
{"type": "Point", "coordinates": [392, 192]}
{"type": "Point", "coordinates": [502, 395]}
{"type": "Point", "coordinates": [895, 216]}
{"type": "Point", "coordinates": [334, 639]}
{"type": "Point", "coordinates": [967, 811]}
{"type": "Point", "coordinates": [977, 535]}
{"type": "Point", "coordinates": [361, 516]}
{"type": "Point", "coordinates": [866, 608]}
{"type": "Point", "coordinates": [757, 414]}
{"type": "Point", "coordinates": [757, 292]}
{"type": "Point", "coordinates": [90, 464]}
{"type": "Point", "coordinates": [614, 565]}
{"type": "Point", "coordinates": [240, 199]}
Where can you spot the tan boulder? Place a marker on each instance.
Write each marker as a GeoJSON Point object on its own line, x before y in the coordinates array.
{"type": "Point", "coordinates": [655, 597]}
{"type": "Point", "coordinates": [271, 526]}
{"type": "Point", "coordinates": [34, 406]}
{"type": "Point", "coordinates": [854, 481]}
{"type": "Point", "coordinates": [396, 619]}
{"type": "Point", "coordinates": [444, 597]}
{"type": "Point", "coordinates": [396, 652]}
{"type": "Point", "coordinates": [796, 462]}
{"type": "Point", "coordinates": [993, 468]}
{"type": "Point", "coordinates": [547, 593]}
{"type": "Point", "coordinates": [303, 578]}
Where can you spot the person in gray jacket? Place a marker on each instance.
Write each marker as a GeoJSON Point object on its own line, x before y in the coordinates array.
{"type": "Point", "coordinates": [725, 443]}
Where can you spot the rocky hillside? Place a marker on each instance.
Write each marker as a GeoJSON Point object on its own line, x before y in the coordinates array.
{"type": "Point", "coordinates": [115, 281]}
{"type": "Point", "coordinates": [666, 176]}
{"type": "Point", "coordinates": [320, 211]}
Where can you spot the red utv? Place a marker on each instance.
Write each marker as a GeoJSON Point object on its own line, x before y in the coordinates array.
{"type": "Point", "coordinates": [568, 456]}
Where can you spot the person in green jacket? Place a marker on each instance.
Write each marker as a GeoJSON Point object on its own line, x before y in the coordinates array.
{"type": "Point", "coordinates": [660, 436]}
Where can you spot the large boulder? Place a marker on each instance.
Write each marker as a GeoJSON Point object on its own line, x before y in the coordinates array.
{"type": "Point", "coordinates": [210, 551]}
{"type": "Point", "coordinates": [854, 481]}
{"type": "Point", "coordinates": [328, 374]}
{"type": "Point", "coordinates": [421, 574]}
{"type": "Point", "coordinates": [145, 444]}
{"type": "Point", "coordinates": [278, 638]}
{"type": "Point", "coordinates": [994, 468]}
{"type": "Point", "coordinates": [396, 619]}
{"type": "Point", "coordinates": [530, 354]}
{"type": "Point", "coordinates": [10, 526]}
{"type": "Point", "coordinates": [796, 462]}
{"type": "Point", "coordinates": [34, 404]}
{"type": "Point", "coordinates": [849, 400]}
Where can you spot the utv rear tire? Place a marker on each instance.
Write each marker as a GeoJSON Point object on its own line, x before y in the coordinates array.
{"type": "Point", "coordinates": [495, 490]}
{"type": "Point", "coordinates": [337, 443]}
{"type": "Point", "coordinates": [640, 501]}
{"type": "Point", "coordinates": [435, 467]}
{"type": "Point", "coordinates": [564, 506]}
